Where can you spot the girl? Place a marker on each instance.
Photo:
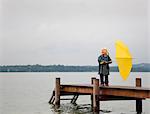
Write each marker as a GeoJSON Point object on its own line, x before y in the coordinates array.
{"type": "Point", "coordinates": [104, 60]}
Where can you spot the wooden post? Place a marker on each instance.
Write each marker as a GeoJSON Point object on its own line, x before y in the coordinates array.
{"type": "Point", "coordinates": [138, 101]}
{"type": "Point", "coordinates": [92, 80]}
{"type": "Point", "coordinates": [57, 93]}
{"type": "Point", "coordinates": [96, 95]}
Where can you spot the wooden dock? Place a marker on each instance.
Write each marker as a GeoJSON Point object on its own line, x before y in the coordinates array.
{"type": "Point", "coordinates": [100, 93]}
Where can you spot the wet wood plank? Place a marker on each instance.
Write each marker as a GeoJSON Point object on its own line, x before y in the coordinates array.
{"type": "Point", "coordinates": [126, 91]}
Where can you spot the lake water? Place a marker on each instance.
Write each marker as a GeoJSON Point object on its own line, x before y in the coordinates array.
{"type": "Point", "coordinates": [29, 93]}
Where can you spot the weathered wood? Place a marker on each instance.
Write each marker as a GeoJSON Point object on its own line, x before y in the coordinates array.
{"type": "Point", "coordinates": [138, 101]}
{"type": "Point", "coordinates": [57, 93]}
{"type": "Point", "coordinates": [92, 80]}
{"type": "Point", "coordinates": [126, 91]}
{"type": "Point", "coordinates": [138, 82]}
{"type": "Point", "coordinates": [109, 97]}
{"type": "Point", "coordinates": [77, 89]}
{"type": "Point", "coordinates": [96, 95]}
{"type": "Point", "coordinates": [52, 98]}
{"type": "Point", "coordinates": [112, 86]}
{"type": "Point", "coordinates": [101, 93]}
{"type": "Point", "coordinates": [74, 99]}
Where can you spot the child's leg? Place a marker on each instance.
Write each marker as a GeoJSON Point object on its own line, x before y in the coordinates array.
{"type": "Point", "coordinates": [102, 78]}
{"type": "Point", "coordinates": [106, 80]}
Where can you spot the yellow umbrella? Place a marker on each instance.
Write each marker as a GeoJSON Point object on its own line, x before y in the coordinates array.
{"type": "Point", "coordinates": [124, 59]}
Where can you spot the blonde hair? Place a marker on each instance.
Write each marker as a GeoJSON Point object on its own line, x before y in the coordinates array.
{"type": "Point", "coordinates": [107, 53]}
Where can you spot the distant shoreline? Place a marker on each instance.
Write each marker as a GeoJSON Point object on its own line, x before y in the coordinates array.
{"type": "Point", "coordinates": [68, 72]}
{"type": "Point", "coordinates": [143, 67]}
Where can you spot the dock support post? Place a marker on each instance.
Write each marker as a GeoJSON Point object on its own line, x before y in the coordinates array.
{"type": "Point", "coordinates": [96, 95]}
{"type": "Point", "coordinates": [57, 93]}
{"type": "Point", "coordinates": [138, 101]}
{"type": "Point", "coordinates": [92, 80]}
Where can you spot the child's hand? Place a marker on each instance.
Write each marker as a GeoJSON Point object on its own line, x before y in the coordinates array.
{"type": "Point", "coordinates": [103, 62]}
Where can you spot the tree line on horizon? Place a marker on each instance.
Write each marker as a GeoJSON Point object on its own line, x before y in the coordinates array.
{"type": "Point", "coordinates": [63, 68]}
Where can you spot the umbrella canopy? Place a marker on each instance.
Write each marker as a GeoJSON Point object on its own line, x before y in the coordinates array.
{"type": "Point", "coordinates": [124, 59]}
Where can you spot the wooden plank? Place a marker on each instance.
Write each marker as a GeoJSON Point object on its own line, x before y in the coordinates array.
{"type": "Point", "coordinates": [122, 91]}
{"type": "Point", "coordinates": [111, 87]}
{"type": "Point", "coordinates": [108, 98]}
{"type": "Point", "coordinates": [126, 87]}
{"type": "Point", "coordinates": [126, 93]}
{"type": "Point", "coordinates": [76, 89]}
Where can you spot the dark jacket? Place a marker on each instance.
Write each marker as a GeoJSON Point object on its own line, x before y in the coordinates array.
{"type": "Point", "coordinates": [104, 68]}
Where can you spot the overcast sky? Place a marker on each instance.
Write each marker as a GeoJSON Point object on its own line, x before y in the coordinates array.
{"type": "Point", "coordinates": [71, 32]}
